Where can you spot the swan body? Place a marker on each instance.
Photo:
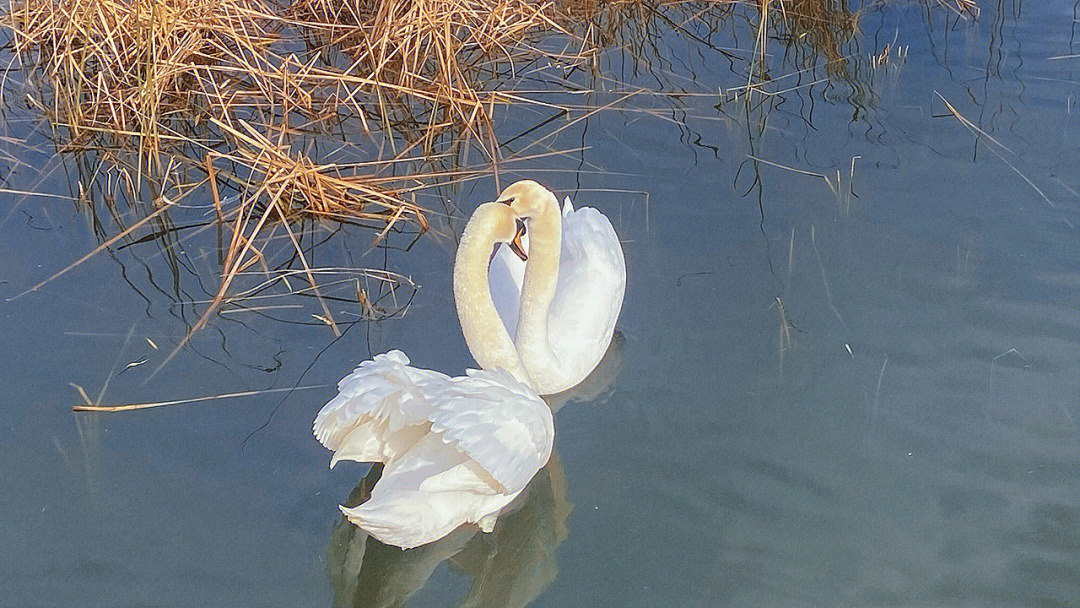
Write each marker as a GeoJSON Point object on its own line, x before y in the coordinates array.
{"type": "Point", "coordinates": [577, 266]}
{"type": "Point", "coordinates": [456, 450]}
{"type": "Point", "coordinates": [510, 567]}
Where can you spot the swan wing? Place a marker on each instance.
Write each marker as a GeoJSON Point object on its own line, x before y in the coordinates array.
{"type": "Point", "coordinates": [500, 423]}
{"type": "Point", "coordinates": [588, 297]}
{"type": "Point", "coordinates": [382, 408]}
{"type": "Point", "coordinates": [592, 282]}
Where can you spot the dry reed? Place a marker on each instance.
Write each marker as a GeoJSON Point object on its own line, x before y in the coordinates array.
{"type": "Point", "coordinates": [123, 69]}
{"type": "Point", "coordinates": [442, 52]}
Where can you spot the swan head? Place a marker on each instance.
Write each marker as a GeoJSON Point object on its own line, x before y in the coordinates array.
{"type": "Point", "coordinates": [529, 199]}
{"type": "Point", "coordinates": [505, 226]}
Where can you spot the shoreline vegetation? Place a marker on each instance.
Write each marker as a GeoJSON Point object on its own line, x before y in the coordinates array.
{"type": "Point", "coordinates": [271, 117]}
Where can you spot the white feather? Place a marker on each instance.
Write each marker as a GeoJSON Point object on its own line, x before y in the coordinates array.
{"type": "Point", "coordinates": [588, 296]}
{"type": "Point", "coordinates": [499, 422]}
{"type": "Point", "coordinates": [457, 450]}
{"type": "Point", "coordinates": [376, 409]}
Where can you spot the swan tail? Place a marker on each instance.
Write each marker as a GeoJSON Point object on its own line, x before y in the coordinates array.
{"type": "Point", "coordinates": [428, 493]}
{"type": "Point", "coordinates": [408, 519]}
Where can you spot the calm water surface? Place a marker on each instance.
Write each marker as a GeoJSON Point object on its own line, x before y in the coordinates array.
{"type": "Point", "coordinates": [866, 397]}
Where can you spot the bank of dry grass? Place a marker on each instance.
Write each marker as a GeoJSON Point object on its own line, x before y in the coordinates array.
{"type": "Point", "coordinates": [190, 93]}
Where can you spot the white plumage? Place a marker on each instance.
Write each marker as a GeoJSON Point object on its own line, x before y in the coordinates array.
{"type": "Point", "coordinates": [457, 450]}
{"type": "Point", "coordinates": [588, 298]}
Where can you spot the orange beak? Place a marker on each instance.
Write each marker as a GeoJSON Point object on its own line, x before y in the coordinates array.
{"type": "Point", "coordinates": [515, 244]}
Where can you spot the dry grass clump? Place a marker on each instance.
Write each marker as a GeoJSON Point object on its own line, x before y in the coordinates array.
{"type": "Point", "coordinates": [164, 92]}
{"type": "Point", "coordinates": [116, 70]}
{"type": "Point", "coordinates": [278, 188]}
{"type": "Point", "coordinates": [436, 58]}
{"type": "Point", "coordinates": [155, 77]}
{"type": "Point", "coordinates": [296, 185]}
{"type": "Point", "coordinates": [427, 45]}
{"type": "Point", "coordinates": [151, 74]}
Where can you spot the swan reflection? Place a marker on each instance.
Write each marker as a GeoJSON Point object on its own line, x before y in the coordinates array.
{"type": "Point", "coordinates": [508, 567]}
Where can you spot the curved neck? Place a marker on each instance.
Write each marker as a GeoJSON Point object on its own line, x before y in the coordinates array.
{"type": "Point", "coordinates": [484, 331]}
{"type": "Point", "coordinates": [537, 293]}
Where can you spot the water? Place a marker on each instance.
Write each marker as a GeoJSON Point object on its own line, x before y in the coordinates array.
{"type": "Point", "coordinates": [859, 398]}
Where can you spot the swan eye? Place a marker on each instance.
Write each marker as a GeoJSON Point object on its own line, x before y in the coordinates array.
{"type": "Point", "coordinates": [508, 201]}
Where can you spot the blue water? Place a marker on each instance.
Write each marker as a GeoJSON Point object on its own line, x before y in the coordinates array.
{"type": "Point", "coordinates": [860, 392]}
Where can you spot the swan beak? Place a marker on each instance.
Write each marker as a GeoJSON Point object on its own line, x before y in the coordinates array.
{"type": "Point", "coordinates": [515, 244]}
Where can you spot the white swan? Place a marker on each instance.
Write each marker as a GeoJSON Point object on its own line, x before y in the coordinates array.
{"type": "Point", "coordinates": [510, 567]}
{"type": "Point", "coordinates": [457, 450]}
{"type": "Point", "coordinates": [562, 305]}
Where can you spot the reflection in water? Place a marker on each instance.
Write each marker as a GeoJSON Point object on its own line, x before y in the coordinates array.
{"type": "Point", "coordinates": [510, 567]}
{"type": "Point", "coordinates": [597, 387]}
{"type": "Point", "coordinates": [515, 563]}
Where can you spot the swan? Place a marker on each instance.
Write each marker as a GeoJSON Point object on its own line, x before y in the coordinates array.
{"type": "Point", "coordinates": [510, 567]}
{"type": "Point", "coordinates": [562, 305]}
{"type": "Point", "coordinates": [456, 450]}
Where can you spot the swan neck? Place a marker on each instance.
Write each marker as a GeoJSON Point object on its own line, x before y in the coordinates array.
{"type": "Point", "coordinates": [537, 292]}
{"type": "Point", "coordinates": [485, 334]}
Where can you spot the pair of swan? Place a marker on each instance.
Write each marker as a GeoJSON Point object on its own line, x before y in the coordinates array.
{"type": "Point", "coordinates": [459, 450]}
